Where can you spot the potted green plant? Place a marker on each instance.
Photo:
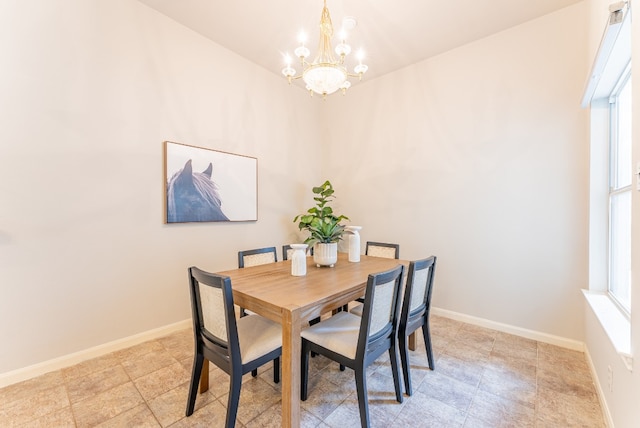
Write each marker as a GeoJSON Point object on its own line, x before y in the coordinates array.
{"type": "Point", "coordinates": [323, 226]}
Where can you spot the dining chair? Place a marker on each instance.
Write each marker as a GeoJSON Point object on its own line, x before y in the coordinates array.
{"type": "Point", "coordinates": [287, 251]}
{"type": "Point", "coordinates": [378, 249]}
{"type": "Point", "coordinates": [356, 342]}
{"type": "Point", "coordinates": [237, 346]}
{"type": "Point", "coordinates": [256, 257]}
{"type": "Point", "coordinates": [415, 312]}
{"type": "Point", "coordinates": [382, 249]}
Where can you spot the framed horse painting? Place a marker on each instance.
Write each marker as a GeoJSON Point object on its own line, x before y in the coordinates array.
{"type": "Point", "coordinates": [204, 185]}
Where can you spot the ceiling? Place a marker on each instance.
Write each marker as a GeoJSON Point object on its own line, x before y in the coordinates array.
{"type": "Point", "coordinates": [392, 33]}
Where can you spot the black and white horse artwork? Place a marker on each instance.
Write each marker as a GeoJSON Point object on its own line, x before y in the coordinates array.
{"type": "Point", "coordinates": [193, 196]}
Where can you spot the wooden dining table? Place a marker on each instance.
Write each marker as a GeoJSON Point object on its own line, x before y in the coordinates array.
{"type": "Point", "coordinates": [271, 291]}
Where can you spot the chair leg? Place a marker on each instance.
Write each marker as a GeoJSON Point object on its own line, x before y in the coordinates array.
{"type": "Point", "coordinates": [393, 356]}
{"type": "Point", "coordinates": [404, 359]}
{"type": "Point", "coordinates": [196, 372]}
{"type": "Point", "coordinates": [426, 333]}
{"type": "Point", "coordinates": [363, 400]}
{"type": "Point", "coordinates": [235, 383]}
{"type": "Point", "coordinates": [312, 322]}
{"type": "Point", "coordinates": [276, 370]}
{"type": "Point", "coordinates": [304, 371]}
{"type": "Point", "coordinates": [254, 372]}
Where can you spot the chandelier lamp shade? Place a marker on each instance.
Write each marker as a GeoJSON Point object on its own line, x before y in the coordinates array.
{"type": "Point", "coordinates": [326, 74]}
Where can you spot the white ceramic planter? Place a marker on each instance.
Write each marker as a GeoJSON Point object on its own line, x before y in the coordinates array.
{"type": "Point", "coordinates": [325, 254]}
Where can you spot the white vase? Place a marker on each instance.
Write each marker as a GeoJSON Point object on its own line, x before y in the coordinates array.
{"type": "Point", "coordinates": [325, 254]}
{"type": "Point", "coordinates": [299, 259]}
{"type": "Point", "coordinates": [354, 243]}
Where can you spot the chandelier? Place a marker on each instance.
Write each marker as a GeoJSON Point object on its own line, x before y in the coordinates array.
{"type": "Point", "coordinates": [326, 74]}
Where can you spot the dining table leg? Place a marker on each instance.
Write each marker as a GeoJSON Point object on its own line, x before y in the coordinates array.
{"type": "Point", "coordinates": [291, 349]}
{"type": "Point", "coordinates": [204, 376]}
{"type": "Point", "coordinates": [412, 341]}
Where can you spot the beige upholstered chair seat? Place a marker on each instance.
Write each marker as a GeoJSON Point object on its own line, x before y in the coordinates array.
{"type": "Point", "coordinates": [357, 310]}
{"type": "Point", "coordinates": [338, 334]}
{"type": "Point", "coordinates": [257, 336]}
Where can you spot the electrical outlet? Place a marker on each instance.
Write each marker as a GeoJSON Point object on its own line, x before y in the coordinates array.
{"type": "Point", "coordinates": [610, 378]}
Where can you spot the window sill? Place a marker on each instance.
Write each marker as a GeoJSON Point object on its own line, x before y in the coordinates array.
{"type": "Point", "coordinates": [615, 324]}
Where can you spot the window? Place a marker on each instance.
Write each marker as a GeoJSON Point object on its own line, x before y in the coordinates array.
{"type": "Point", "coordinates": [620, 182]}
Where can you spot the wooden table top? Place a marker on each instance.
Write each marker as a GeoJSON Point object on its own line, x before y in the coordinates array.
{"type": "Point", "coordinates": [269, 288]}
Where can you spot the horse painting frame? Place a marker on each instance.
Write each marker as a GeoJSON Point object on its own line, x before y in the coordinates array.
{"type": "Point", "coordinates": [206, 185]}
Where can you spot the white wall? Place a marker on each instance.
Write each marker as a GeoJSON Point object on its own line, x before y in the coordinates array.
{"type": "Point", "coordinates": [480, 156]}
{"type": "Point", "coordinates": [90, 90]}
{"type": "Point", "coordinates": [621, 400]}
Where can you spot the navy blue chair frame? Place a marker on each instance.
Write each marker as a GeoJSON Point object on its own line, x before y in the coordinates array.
{"type": "Point", "coordinates": [225, 355]}
{"type": "Point", "coordinates": [368, 348]}
{"type": "Point", "coordinates": [410, 321]}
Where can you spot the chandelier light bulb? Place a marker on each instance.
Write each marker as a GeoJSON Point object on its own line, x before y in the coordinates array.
{"type": "Point", "coordinates": [302, 52]}
{"type": "Point", "coordinates": [302, 38]}
{"type": "Point", "coordinates": [343, 49]}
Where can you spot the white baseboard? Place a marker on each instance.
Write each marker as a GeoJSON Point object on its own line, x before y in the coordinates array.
{"type": "Point", "coordinates": [505, 328]}
{"type": "Point", "coordinates": [608, 419]}
{"type": "Point", "coordinates": [38, 369]}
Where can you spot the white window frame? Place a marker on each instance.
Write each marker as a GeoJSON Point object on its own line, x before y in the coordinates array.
{"type": "Point", "coordinates": [616, 190]}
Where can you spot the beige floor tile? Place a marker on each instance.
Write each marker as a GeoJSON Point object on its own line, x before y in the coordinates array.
{"type": "Point", "coordinates": [90, 366]}
{"type": "Point", "coordinates": [568, 410]}
{"type": "Point", "coordinates": [256, 396]}
{"type": "Point", "coordinates": [444, 327]}
{"type": "Point", "coordinates": [272, 418]}
{"type": "Point", "coordinates": [170, 407]}
{"type": "Point", "coordinates": [476, 338]}
{"type": "Point", "coordinates": [139, 350]}
{"type": "Point", "coordinates": [466, 371]}
{"type": "Point", "coordinates": [418, 367]}
{"type": "Point", "coordinates": [62, 418]}
{"type": "Point", "coordinates": [449, 391]}
{"type": "Point", "coordinates": [566, 382]}
{"type": "Point", "coordinates": [179, 344]}
{"type": "Point", "coordinates": [423, 410]}
{"type": "Point", "coordinates": [510, 384]}
{"type": "Point", "coordinates": [94, 383]}
{"type": "Point", "coordinates": [210, 416]}
{"type": "Point", "coordinates": [34, 406]}
{"type": "Point", "coordinates": [106, 405]}
{"type": "Point", "coordinates": [466, 351]}
{"type": "Point", "coordinates": [524, 365]}
{"type": "Point", "coordinates": [324, 396]}
{"type": "Point", "coordinates": [29, 387]}
{"type": "Point", "coordinates": [511, 350]}
{"type": "Point", "coordinates": [483, 378]}
{"type": "Point", "coordinates": [500, 412]}
{"type": "Point", "coordinates": [139, 417]}
{"type": "Point", "coordinates": [158, 382]}
{"type": "Point", "coordinates": [149, 362]}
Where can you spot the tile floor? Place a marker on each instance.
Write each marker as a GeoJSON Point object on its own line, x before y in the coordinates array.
{"type": "Point", "coordinates": [483, 378]}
